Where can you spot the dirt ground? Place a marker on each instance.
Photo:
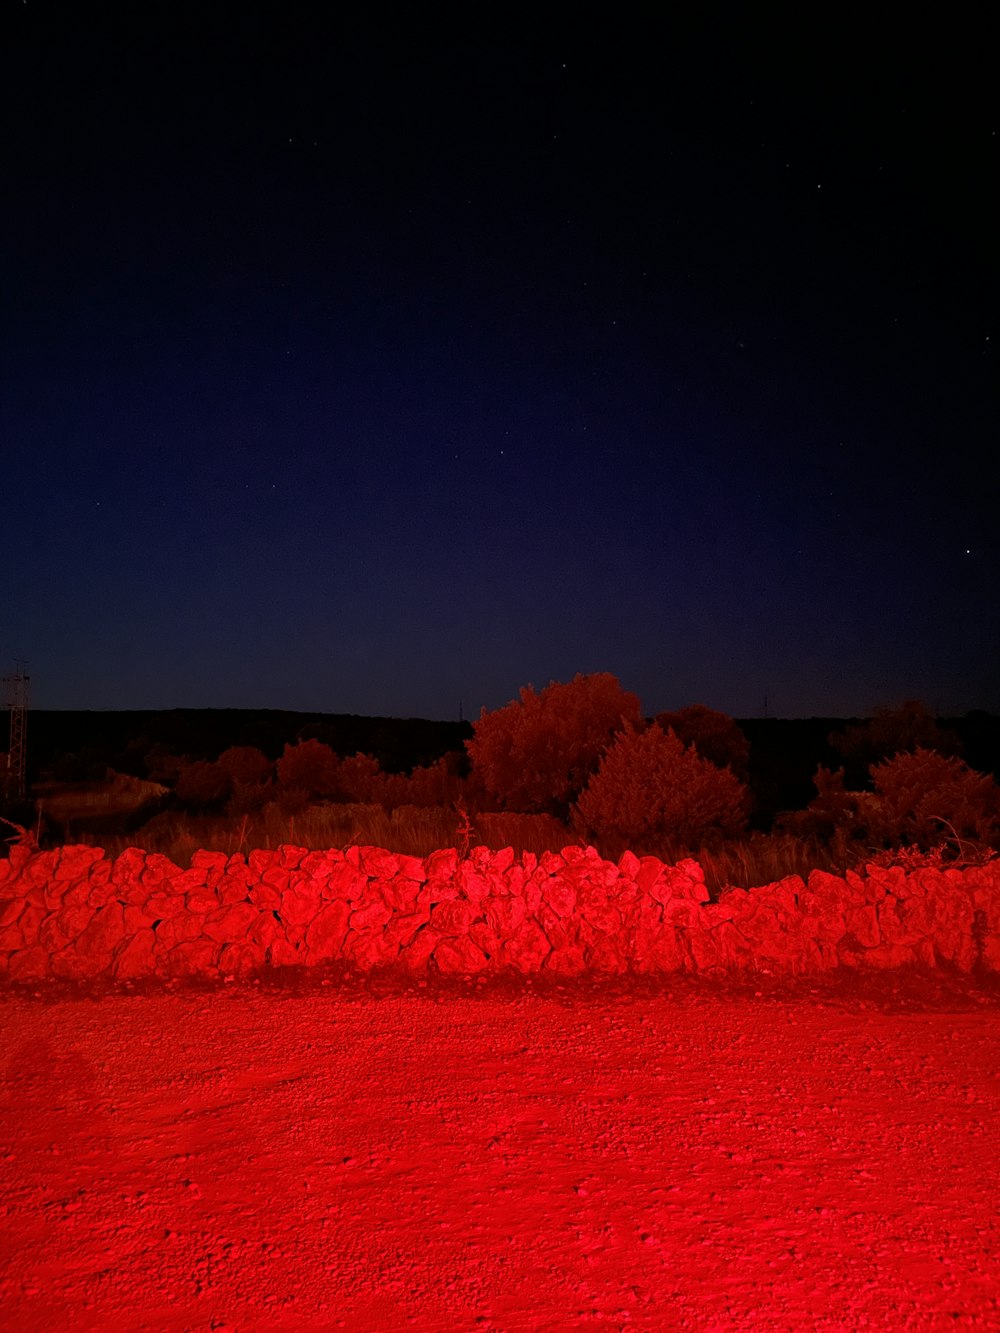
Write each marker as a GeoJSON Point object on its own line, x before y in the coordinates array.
{"type": "Point", "coordinates": [381, 1155]}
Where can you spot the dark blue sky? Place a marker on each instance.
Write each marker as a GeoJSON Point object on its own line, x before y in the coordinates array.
{"type": "Point", "coordinates": [374, 366]}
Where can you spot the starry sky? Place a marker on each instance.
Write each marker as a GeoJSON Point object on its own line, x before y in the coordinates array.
{"type": "Point", "coordinates": [383, 366]}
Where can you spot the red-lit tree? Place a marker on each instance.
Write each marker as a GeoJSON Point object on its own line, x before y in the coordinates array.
{"type": "Point", "coordinates": [716, 736]}
{"type": "Point", "coordinates": [926, 799]}
{"type": "Point", "coordinates": [246, 764]}
{"type": "Point", "coordinates": [309, 768]}
{"type": "Point", "coordinates": [536, 754]}
{"type": "Point", "coordinates": [650, 786]}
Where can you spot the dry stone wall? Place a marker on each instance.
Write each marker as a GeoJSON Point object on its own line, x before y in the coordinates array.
{"type": "Point", "coordinates": [73, 913]}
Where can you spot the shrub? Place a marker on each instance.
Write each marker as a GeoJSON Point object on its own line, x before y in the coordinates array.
{"type": "Point", "coordinates": [714, 735]}
{"type": "Point", "coordinates": [650, 786]}
{"type": "Point", "coordinates": [360, 780]}
{"type": "Point", "coordinates": [926, 798]}
{"type": "Point", "coordinates": [536, 754]}
{"type": "Point", "coordinates": [245, 764]}
{"type": "Point", "coordinates": [310, 768]}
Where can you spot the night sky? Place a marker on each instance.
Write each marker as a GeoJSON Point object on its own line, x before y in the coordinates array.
{"type": "Point", "coordinates": [384, 366]}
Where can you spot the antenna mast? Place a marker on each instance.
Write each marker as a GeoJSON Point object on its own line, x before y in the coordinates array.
{"type": "Point", "coordinates": [16, 689]}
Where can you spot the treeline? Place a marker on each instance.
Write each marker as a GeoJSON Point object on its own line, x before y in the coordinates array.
{"type": "Point", "coordinates": [582, 753]}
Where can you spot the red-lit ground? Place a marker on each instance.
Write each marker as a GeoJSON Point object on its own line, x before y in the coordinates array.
{"type": "Point", "coordinates": [497, 1159]}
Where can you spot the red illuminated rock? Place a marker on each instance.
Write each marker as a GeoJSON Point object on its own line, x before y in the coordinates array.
{"type": "Point", "coordinates": [190, 958]}
{"type": "Point", "coordinates": [862, 923]}
{"type": "Point", "coordinates": [370, 949]}
{"type": "Point", "coordinates": [136, 957]}
{"type": "Point", "coordinates": [162, 905]}
{"type": "Point", "coordinates": [230, 924]}
{"type": "Point", "coordinates": [504, 915]}
{"type": "Point", "coordinates": [401, 931]}
{"type": "Point", "coordinates": [399, 894]}
{"type": "Point", "coordinates": [527, 949]}
{"type": "Point", "coordinates": [202, 901]}
{"type": "Point", "coordinates": [417, 955]}
{"type": "Point", "coordinates": [265, 897]}
{"type": "Point", "coordinates": [282, 953]}
{"type": "Point", "coordinates": [343, 880]}
{"type": "Point", "coordinates": [175, 930]}
{"type": "Point", "coordinates": [324, 938]}
{"type": "Point", "coordinates": [370, 917]}
{"type": "Point", "coordinates": [299, 906]}
{"type": "Point", "coordinates": [30, 964]}
{"type": "Point", "coordinates": [240, 959]}
{"type": "Point", "coordinates": [456, 956]}
{"type": "Point", "coordinates": [566, 961]}
{"type": "Point", "coordinates": [560, 894]}
{"type": "Point", "coordinates": [452, 918]}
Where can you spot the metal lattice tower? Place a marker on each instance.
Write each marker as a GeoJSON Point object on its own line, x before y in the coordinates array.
{"type": "Point", "coordinates": [16, 689]}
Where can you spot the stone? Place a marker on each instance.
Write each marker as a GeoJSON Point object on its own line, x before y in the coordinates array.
{"type": "Point", "coordinates": [862, 923]}
{"type": "Point", "coordinates": [324, 938]}
{"type": "Point", "coordinates": [371, 917]}
{"type": "Point", "coordinates": [136, 957]}
{"type": "Point", "coordinates": [452, 918]}
{"type": "Point", "coordinates": [456, 956]}
{"type": "Point", "coordinates": [191, 958]}
{"type": "Point", "coordinates": [401, 931]}
{"type": "Point", "coordinates": [527, 949]}
{"type": "Point", "coordinates": [230, 924]}
{"type": "Point", "coordinates": [240, 959]}
{"type": "Point", "coordinates": [175, 930]}
{"type": "Point", "coordinates": [560, 894]}
{"type": "Point", "coordinates": [30, 964]}
{"type": "Point", "coordinates": [418, 952]}
{"type": "Point", "coordinates": [399, 894]}
{"type": "Point", "coordinates": [566, 961]}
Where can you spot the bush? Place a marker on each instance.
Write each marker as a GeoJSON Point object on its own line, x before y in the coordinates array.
{"type": "Point", "coordinates": [650, 786]}
{"type": "Point", "coordinates": [309, 768]}
{"type": "Point", "coordinates": [537, 753]}
{"type": "Point", "coordinates": [926, 798]}
{"type": "Point", "coordinates": [245, 764]}
{"type": "Point", "coordinates": [360, 780]}
{"type": "Point", "coordinates": [714, 735]}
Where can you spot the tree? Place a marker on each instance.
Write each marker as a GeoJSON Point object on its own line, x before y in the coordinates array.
{"type": "Point", "coordinates": [310, 768]}
{"type": "Point", "coordinates": [651, 786]}
{"type": "Point", "coordinates": [536, 754]}
{"type": "Point", "coordinates": [360, 779]}
{"type": "Point", "coordinates": [714, 735]}
{"type": "Point", "coordinates": [245, 764]}
{"type": "Point", "coordinates": [927, 799]}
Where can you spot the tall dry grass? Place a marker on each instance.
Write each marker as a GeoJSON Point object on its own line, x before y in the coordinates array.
{"type": "Point", "coordinates": [419, 830]}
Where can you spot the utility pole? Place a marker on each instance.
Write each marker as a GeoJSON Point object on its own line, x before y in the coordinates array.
{"type": "Point", "coordinates": [16, 689]}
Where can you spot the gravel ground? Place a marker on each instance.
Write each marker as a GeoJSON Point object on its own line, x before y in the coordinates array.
{"type": "Point", "coordinates": [389, 1156]}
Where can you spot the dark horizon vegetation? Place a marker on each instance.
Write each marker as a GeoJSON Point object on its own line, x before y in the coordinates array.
{"type": "Point", "coordinates": [412, 785]}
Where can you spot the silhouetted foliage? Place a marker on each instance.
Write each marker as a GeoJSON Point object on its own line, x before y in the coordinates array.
{"type": "Point", "coordinates": [310, 768]}
{"type": "Point", "coordinates": [716, 736]}
{"type": "Point", "coordinates": [534, 755]}
{"type": "Point", "coordinates": [245, 764]}
{"type": "Point", "coordinates": [203, 785]}
{"type": "Point", "coordinates": [833, 812]}
{"type": "Point", "coordinates": [926, 798]}
{"type": "Point", "coordinates": [651, 786]}
{"type": "Point", "coordinates": [360, 780]}
{"type": "Point", "coordinates": [892, 731]}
